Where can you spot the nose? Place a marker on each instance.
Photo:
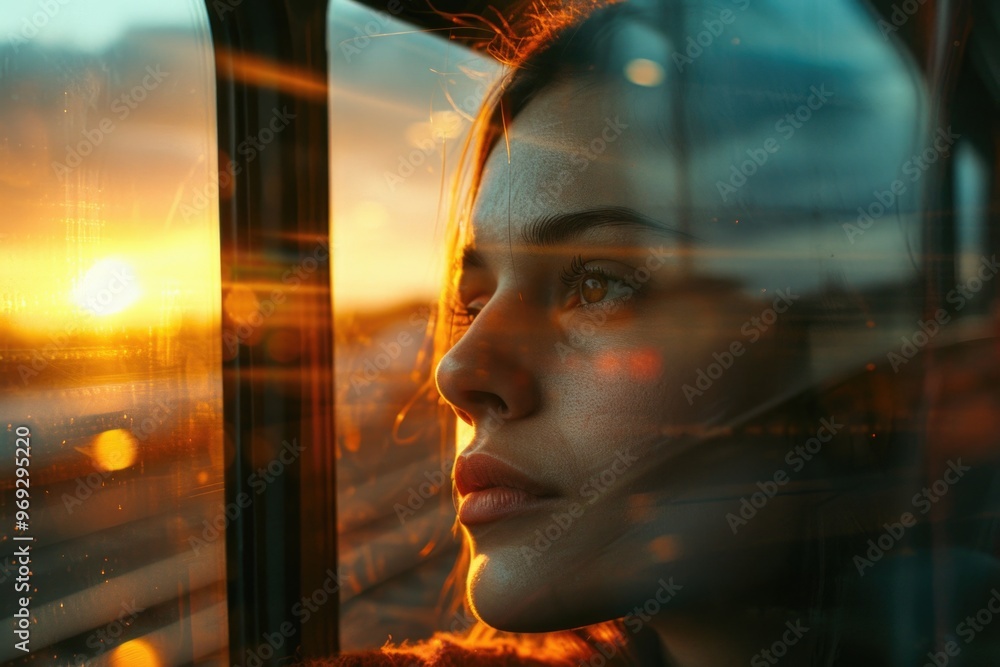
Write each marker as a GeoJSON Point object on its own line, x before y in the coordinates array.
{"type": "Point", "coordinates": [488, 375]}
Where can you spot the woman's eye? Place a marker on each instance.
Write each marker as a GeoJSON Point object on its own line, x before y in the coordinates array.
{"type": "Point", "coordinates": [592, 286]}
{"type": "Point", "coordinates": [598, 288]}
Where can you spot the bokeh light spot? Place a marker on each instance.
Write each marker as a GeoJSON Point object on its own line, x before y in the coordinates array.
{"type": "Point", "coordinates": [644, 72]}
{"type": "Point", "coordinates": [116, 449]}
{"type": "Point", "coordinates": [135, 653]}
{"type": "Point", "coordinates": [240, 303]}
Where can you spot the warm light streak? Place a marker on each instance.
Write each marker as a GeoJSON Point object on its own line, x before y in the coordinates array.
{"type": "Point", "coordinates": [262, 72]}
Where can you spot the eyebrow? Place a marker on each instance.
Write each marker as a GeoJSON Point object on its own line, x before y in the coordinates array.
{"type": "Point", "coordinates": [561, 227]}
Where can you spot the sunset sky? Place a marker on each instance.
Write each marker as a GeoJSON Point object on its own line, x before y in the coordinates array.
{"type": "Point", "coordinates": [388, 99]}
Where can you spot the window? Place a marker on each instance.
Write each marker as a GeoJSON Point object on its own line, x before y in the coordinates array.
{"type": "Point", "coordinates": [400, 104]}
{"type": "Point", "coordinates": [175, 181]}
{"type": "Point", "coordinates": [765, 136]}
{"type": "Point", "coordinates": [110, 357]}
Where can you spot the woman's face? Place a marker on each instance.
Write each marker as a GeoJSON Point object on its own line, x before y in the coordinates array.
{"type": "Point", "coordinates": [592, 317]}
{"type": "Point", "coordinates": [644, 272]}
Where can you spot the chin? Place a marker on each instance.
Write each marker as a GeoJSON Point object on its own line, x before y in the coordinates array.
{"type": "Point", "coordinates": [508, 594]}
{"type": "Point", "coordinates": [502, 613]}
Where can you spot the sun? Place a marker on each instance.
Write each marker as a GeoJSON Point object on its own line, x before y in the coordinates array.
{"type": "Point", "coordinates": [109, 287]}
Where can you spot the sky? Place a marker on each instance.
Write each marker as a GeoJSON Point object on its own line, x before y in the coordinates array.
{"type": "Point", "coordinates": [389, 103]}
{"type": "Point", "coordinates": [88, 24]}
{"type": "Point", "coordinates": [395, 136]}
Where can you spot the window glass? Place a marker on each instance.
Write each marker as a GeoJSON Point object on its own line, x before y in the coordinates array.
{"type": "Point", "coordinates": [400, 105]}
{"type": "Point", "coordinates": [109, 336]}
{"type": "Point", "coordinates": [718, 347]}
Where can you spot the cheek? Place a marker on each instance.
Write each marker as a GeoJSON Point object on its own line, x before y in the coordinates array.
{"type": "Point", "coordinates": [641, 366]}
{"type": "Point", "coordinates": [618, 395]}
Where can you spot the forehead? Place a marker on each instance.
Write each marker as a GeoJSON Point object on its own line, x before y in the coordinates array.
{"type": "Point", "coordinates": [575, 146]}
{"type": "Point", "coordinates": [752, 156]}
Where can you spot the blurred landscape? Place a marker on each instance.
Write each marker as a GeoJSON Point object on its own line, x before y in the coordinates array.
{"type": "Point", "coordinates": [109, 346]}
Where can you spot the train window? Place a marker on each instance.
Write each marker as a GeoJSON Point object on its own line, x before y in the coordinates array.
{"type": "Point", "coordinates": [718, 335]}
{"type": "Point", "coordinates": [400, 106]}
{"type": "Point", "coordinates": [113, 546]}
{"type": "Point", "coordinates": [689, 306]}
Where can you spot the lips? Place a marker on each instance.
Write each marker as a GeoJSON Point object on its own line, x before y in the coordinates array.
{"type": "Point", "coordinates": [492, 490]}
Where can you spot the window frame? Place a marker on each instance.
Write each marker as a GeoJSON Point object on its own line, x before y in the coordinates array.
{"type": "Point", "coordinates": [279, 550]}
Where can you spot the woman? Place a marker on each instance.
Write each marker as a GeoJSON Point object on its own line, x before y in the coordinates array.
{"type": "Point", "coordinates": [687, 268]}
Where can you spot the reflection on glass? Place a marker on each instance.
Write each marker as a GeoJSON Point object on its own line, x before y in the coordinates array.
{"type": "Point", "coordinates": [700, 329]}
{"type": "Point", "coordinates": [109, 320]}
